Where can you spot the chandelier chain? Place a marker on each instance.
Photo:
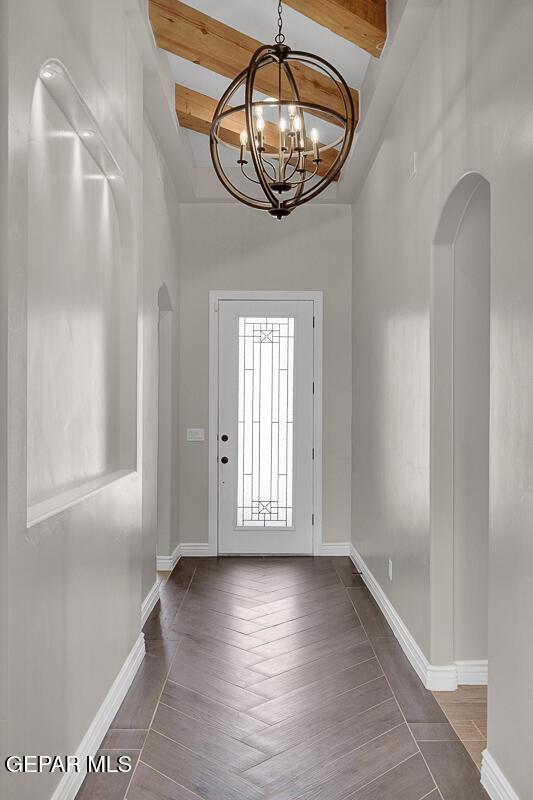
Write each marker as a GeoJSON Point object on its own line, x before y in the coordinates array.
{"type": "Point", "coordinates": [280, 38]}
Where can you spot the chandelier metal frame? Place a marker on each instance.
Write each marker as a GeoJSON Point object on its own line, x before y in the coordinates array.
{"type": "Point", "coordinates": [285, 170]}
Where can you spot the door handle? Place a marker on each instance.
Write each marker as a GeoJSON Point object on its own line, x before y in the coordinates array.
{"type": "Point", "coordinates": [224, 459]}
{"type": "Point", "coordinates": [224, 437]}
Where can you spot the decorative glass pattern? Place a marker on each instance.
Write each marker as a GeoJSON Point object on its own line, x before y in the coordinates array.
{"type": "Point", "coordinates": [266, 423]}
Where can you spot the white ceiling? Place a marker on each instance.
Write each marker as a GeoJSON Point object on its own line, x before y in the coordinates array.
{"type": "Point", "coordinates": [259, 20]}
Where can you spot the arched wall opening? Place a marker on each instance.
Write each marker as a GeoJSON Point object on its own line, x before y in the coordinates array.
{"type": "Point", "coordinates": [460, 399]}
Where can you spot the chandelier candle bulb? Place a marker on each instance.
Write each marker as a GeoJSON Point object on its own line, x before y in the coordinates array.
{"type": "Point", "coordinates": [314, 139]}
{"type": "Point", "coordinates": [292, 119]}
{"type": "Point", "coordinates": [282, 131]}
{"type": "Point", "coordinates": [244, 142]}
{"type": "Point", "coordinates": [260, 134]}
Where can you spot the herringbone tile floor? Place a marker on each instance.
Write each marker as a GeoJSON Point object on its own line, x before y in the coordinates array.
{"type": "Point", "coordinates": [279, 679]}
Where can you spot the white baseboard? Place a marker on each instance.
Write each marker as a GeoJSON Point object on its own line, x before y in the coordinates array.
{"type": "Point", "coordinates": [149, 603]}
{"type": "Point", "coordinates": [434, 677]}
{"type": "Point", "coordinates": [71, 781]}
{"type": "Point", "coordinates": [195, 549]}
{"type": "Point", "coordinates": [167, 563]}
{"type": "Point", "coordinates": [335, 549]}
{"type": "Point", "coordinates": [494, 781]}
{"type": "Point", "coordinates": [473, 673]}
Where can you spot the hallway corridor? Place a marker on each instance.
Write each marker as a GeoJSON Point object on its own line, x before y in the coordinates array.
{"type": "Point", "coordinates": [278, 679]}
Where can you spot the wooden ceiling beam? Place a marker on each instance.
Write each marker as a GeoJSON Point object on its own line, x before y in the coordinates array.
{"type": "Point", "coordinates": [195, 111]}
{"type": "Point", "coordinates": [192, 35]}
{"type": "Point", "coordinates": [363, 22]}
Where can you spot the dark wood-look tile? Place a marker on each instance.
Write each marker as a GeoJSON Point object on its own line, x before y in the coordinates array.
{"type": "Point", "coordinates": [234, 723]}
{"type": "Point", "coordinates": [206, 740]}
{"type": "Point", "coordinates": [369, 613]}
{"type": "Point", "coordinates": [123, 739]}
{"type": "Point", "coordinates": [300, 588]}
{"type": "Point", "coordinates": [140, 702]}
{"type": "Point", "coordinates": [226, 605]}
{"type": "Point", "coordinates": [159, 626]}
{"type": "Point", "coordinates": [433, 732]}
{"type": "Point", "coordinates": [314, 620]}
{"type": "Point", "coordinates": [303, 655]}
{"type": "Point", "coordinates": [214, 687]}
{"type": "Point", "coordinates": [198, 774]}
{"type": "Point", "coordinates": [285, 735]}
{"type": "Point", "coordinates": [275, 692]}
{"type": "Point", "coordinates": [310, 636]}
{"type": "Point", "coordinates": [416, 702]}
{"type": "Point", "coordinates": [318, 694]}
{"type": "Point", "coordinates": [217, 632]}
{"type": "Point", "coordinates": [276, 613]}
{"type": "Point", "coordinates": [408, 781]}
{"type": "Point", "coordinates": [183, 572]}
{"type": "Point", "coordinates": [206, 594]}
{"type": "Point", "coordinates": [108, 785]}
{"type": "Point", "coordinates": [251, 591]}
{"type": "Point", "coordinates": [325, 667]}
{"type": "Point", "coordinates": [301, 605]}
{"type": "Point", "coordinates": [223, 650]}
{"type": "Point", "coordinates": [335, 742]}
{"type": "Point", "coordinates": [352, 771]}
{"type": "Point", "coordinates": [191, 657]}
{"type": "Point", "coordinates": [454, 771]}
{"type": "Point", "coordinates": [349, 576]}
{"type": "Point", "coordinates": [147, 784]}
{"type": "Point", "coordinates": [198, 618]}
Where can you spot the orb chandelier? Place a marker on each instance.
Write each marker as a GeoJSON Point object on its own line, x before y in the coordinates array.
{"type": "Point", "coordinates": [275, 142]}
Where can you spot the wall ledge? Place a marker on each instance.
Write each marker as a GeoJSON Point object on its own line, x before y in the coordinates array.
{"type": "Point", "coordinates": [494, 781]}
{"type": "Point", "coordinates": [43, 510]}
{"type": "Point", "coordinates": [71, 781]}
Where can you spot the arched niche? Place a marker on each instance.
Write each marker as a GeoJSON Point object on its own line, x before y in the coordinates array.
{"type": "Point", "coordinates": [460, 363]}
{"type": "Point", "coordinates": [164, 302]}
{"type": "Point", "coordinates": [81, 304]}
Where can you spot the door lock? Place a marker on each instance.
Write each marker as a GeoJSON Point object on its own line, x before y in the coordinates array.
{"type": "Point", "coordinates": [224, 459]}
{"type": "Point", "coordinates": [224, 437]}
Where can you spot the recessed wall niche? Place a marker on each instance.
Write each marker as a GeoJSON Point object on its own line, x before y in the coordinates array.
{"type": "Point", "coordinates": [82, 306]}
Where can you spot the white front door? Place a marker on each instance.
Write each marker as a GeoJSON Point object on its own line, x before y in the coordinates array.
{"type": "Point", "coordinates": [265, 426]}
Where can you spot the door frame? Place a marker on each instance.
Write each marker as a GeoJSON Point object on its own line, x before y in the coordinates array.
{"type": "Point", "coordinates": [214, 297]}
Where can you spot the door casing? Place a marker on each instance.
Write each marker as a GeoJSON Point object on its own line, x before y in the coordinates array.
{"type": "Point", "coordinates": [214, 297]}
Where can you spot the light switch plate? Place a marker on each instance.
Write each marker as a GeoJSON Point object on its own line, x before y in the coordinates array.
{"type": "Point", "coordinates": [195, 434]}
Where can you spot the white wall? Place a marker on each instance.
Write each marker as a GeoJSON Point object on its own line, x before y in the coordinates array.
{"type": "Point", "coordinates": [4, 569]}
{"type": "Point", "coordinates": [471, 321]}
{"type": "Point", "coordinates": [160, 248]}
{"type": "Point", "coordinates": [81, 574]}
{"type": "Point", "coordinates": [465, 105]}
{"type": "Point", "coordinates": [228, 246]}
